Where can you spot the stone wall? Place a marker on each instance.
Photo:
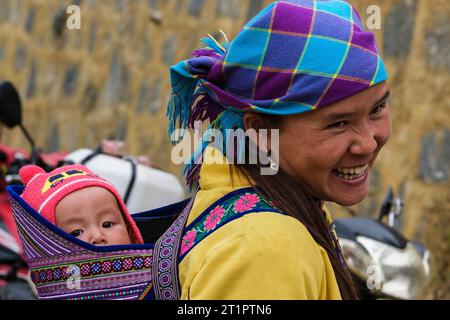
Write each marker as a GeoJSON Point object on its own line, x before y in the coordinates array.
{"type": "Point", "coordinates": [110, 79]}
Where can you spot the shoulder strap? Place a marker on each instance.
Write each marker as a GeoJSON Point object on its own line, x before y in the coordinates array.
{"type": "Point", "coordinates": [230, 207]}
{"type": "Point", "coordinates": [165, 255]}
{"type": "Point", "coordinates": [178, 240]}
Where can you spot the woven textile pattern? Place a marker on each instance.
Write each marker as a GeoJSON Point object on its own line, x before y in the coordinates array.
{"type": "Point", "coordinates": [62, 269]}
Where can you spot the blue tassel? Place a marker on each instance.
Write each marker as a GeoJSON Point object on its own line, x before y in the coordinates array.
{"type": "Point", "coordinates": [181, 99]}
{"type": "Point", "coordinates": [186, 81]}
{"type": "Point", "coordinates": [227, 119]}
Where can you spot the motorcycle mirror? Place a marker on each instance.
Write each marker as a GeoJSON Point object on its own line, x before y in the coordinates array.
{"type": "Point", "coordinates": [10, 105]}
{"type": "Point", "coordinates": [386, 204]}
{"type": "Point", "coordinates": [11, 112]}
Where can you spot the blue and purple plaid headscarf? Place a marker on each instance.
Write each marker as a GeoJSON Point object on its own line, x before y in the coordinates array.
{"type": "Point", "coordinates": [293, 57]}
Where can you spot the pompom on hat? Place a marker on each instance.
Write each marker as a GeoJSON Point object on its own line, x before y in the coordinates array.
{"type": "Point", "coordinates": [43, 191]}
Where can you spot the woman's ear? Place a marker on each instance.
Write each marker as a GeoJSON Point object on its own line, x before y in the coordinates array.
{"type": "Point", "coordinates": [254, 121]}
{"type": "Point", "coordinates": [259, 122]}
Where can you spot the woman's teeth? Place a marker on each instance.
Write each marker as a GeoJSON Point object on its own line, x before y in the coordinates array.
{"type": "Point", "coordinates": [351, 173]}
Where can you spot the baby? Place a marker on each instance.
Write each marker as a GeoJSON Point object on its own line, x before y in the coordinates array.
{"type": "Point", "coordinates": [81, 204]}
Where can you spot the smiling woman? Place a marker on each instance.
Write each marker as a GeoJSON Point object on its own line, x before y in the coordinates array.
{"type": "Point", "coordinates": [308, 69]}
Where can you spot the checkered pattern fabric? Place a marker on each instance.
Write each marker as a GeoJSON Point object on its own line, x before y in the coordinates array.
{"type": "Point", "coordinates": [297, 56]}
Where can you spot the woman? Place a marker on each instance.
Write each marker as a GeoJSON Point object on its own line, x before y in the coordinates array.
{"type": "Point", "coordinates": [308, 69]}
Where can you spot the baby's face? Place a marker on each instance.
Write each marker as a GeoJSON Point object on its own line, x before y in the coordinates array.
{"type": "Point", "coordinates": [92, 215]}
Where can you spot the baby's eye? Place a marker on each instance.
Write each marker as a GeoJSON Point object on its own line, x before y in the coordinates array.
{"type": "Point", "coordinates": [107, 224]}
{"type": "Point", "coordinates": [76, 233]}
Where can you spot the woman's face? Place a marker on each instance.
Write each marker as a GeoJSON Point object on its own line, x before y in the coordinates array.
{"type": "Point", "coordinates": [332, 149]}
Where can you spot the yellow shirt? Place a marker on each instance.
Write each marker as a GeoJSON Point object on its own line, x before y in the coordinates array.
{"type": "Point", "coordinates": [261, 255]}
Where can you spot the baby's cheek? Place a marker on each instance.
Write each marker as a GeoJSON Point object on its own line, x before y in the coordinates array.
{"type": "Point", "coordinates": [124, 235]}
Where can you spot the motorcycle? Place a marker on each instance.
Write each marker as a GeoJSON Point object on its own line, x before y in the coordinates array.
{"type": "Point", "coordinates": [383, 263]}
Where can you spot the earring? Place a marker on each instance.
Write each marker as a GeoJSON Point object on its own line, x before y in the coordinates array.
{"type": "Point", "coordinates": [273, 164]}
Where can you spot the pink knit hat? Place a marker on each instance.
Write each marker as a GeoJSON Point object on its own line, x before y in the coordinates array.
{"type": "Point", "coordinates": [44, 190]}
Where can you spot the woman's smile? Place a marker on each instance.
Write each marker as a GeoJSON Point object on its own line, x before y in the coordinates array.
{"type": "Point", "coordinates": [352, 175]}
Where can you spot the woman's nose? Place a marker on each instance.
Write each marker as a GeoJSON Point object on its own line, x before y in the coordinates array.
{"type": "Point", "coordinates": [365, 142]}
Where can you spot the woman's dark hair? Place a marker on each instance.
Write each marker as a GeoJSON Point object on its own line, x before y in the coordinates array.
{"type": "Point", "coordinates": [293, 199]}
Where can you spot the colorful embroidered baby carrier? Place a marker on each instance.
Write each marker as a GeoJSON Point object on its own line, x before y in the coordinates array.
{"type": "Point", "coordinates": [63, 267]}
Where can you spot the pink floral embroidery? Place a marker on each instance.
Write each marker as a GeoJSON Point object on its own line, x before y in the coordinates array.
{"type": "Point", "coordinates": [188, 241]}
{"type": "Point", "coordinates": [214, 218]}
{"type": "Point", "coordinates": [245, 202]}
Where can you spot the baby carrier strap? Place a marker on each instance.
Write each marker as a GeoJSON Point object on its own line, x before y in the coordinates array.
{"type": "Point", "coordinates": [180, 239]}
{"type": "Point", "coordinates": [165, 274]}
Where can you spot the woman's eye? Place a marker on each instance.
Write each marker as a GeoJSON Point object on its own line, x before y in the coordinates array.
{"type": "Point", "coordinates": [76, 233]}
{"type": "Point", "coordinates": [339, 124]}
{"type": "Point", "coordinates": [378, 109]}
{"type": "Point", "coordinates": [107, 224]}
